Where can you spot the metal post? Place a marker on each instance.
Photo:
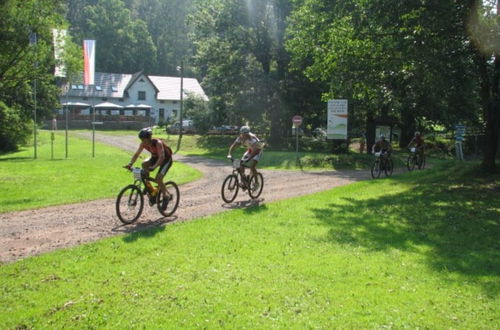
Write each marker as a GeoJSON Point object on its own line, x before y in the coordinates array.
{"type": "Point", "coordinates": [93, 132]}
{"type": "Point", "coordinates": [182, 96]}
{"type": "Point", "coordinates": [297, 145]}
{"type": "Point", "coordinates": [181, 107]}
{"type": "Point", "coordinates": [66, 129]}
{"type": "Point", "coordinates": [34, 41]}
{"type": "Point", "coordinates": [34, 121]}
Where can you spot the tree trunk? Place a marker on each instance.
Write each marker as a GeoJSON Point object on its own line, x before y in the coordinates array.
{"type": "Point", "coordinates": [407, 127]}
{"type": "Point", "coordinates": [489, 94]}
{"type": "Point", "coordinates": [370, 132]}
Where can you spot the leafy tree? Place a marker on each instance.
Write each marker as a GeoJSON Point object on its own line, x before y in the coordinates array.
{"type": "Point", "coordinates": [123, 44]}
{"type": "Point", "coordinates": [198, 110]}
{"type": "Point", "coordinates": [484, 29]}
{"type": "Point", "coordinates": [22, 65]}
{"type": "Point", "coordinates": [409, 60]}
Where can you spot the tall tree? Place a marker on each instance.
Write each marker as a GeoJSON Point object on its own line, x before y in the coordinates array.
{"type": "Point", "coordinates": [484, 29]}
{"type": "Point", "coordinates": [23, 63]}
{"type": "Point", "coordinates": [406, 59]}
{"type": "Point", "coordinates": [124, 44]}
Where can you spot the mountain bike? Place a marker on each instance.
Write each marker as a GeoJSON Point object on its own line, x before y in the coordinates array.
{"type": "Point", "coordinates": [236, 180]}
{"type": "Point", "coordinates": [415, 158]}
{"type": "Point", "coordinates": [130, 200]}
{"type": "Point", "coordinates": [382, 162]}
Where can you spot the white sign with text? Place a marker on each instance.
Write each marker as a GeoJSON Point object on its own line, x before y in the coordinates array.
{"type": "Point", "coordinates": [336, 128]}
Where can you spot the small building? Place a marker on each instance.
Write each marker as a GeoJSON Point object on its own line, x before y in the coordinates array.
{"type": "Point", "coordinates": [126, 100]}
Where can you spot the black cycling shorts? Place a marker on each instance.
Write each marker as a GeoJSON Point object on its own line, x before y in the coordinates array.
{"type": "Point", "coordinates": [163, 168]}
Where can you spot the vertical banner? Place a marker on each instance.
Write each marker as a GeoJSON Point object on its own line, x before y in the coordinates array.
{"type": "Point", "coordinates": [88, 62]}
{"type": "Point", "coordinates": [59, 40]}
{"type": "Point", "coordinates": [337, 120]}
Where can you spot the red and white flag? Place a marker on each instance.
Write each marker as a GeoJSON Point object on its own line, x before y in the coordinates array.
{"type": "Point", "coordinates": [88, 62]}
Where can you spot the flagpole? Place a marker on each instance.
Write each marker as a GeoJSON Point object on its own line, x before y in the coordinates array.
{"type": "Point", "coordinates": [34, 41]}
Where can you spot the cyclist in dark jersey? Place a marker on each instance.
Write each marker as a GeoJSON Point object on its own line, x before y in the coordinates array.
{"type": "Point", "coordinates": [161, 157]}
{"type": "Point", "coordinates": [382, 146]}
{"type": "Point", "coordinates": [418, 141]}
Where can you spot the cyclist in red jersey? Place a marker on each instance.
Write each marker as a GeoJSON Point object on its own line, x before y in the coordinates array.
{"type": "Point", "coordinates": [418, 141]}
{"type": "Point", "coordinates": [161, 157]}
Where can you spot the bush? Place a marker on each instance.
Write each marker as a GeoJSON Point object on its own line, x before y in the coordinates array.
{"type": "Point", "coordinates": [13, 130]}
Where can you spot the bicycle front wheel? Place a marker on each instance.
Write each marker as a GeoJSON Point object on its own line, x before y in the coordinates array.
{"type": "Point", "coordinates": [376, 170]}
{"type": "Point", "coordinates": [256, 185]}
{"type": "Point", "coordinates": [389, 167]}
{"type": "Point", "coordinates": [167, 207]}
{"type": "Point", "coordinates": [230, 188]}
{"type": "Point", "coordinates": [411, 162]}
{"type": "Point", "coordinates": [129, 204]}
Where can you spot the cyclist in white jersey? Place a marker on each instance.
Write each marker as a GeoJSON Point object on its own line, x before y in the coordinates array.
{"type": "Point", "coordinates": [253, 153]}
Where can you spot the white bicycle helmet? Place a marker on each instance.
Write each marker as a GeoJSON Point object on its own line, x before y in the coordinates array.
{"type": "Point", "coordinates": [244, 129]}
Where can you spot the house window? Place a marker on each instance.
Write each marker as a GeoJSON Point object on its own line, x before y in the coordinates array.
{"type": "Point", "coordinates": [104, 99]}
{"type": "Point", "coordinates": [98, 88]}
{"type": "Point", "coordinates": [141, 95]}
{"type": "Point", "coordinates": [74, 86]}
{"type": "Point", "coordinates": [162, 101]}
{"type": "Point", "coordinates": [162, 113]}
{"type": "Point", "coordinates": [80, 86]}
{"type": "Point", "coordinates": [174, 113]}
{"type": "Point", "coordinates": [114, 89]}
{"type": "Point", "coordinates": [121, 100]}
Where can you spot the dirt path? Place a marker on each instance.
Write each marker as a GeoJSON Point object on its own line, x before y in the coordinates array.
{"type": "Point", "coordinates": [28, 233]}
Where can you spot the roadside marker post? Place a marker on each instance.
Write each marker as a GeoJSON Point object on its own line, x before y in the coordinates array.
{"type": "Point", "coordinates": [297, 121]}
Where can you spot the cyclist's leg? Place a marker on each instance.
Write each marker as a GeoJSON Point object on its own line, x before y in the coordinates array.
{"type": "Point", "coordinates": [162, 171]}
{"type": "Point", "coordinates": [147, 164]}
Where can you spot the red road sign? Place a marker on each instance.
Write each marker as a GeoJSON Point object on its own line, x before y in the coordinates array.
{"type": "Point", "coordinates": [297, 120]}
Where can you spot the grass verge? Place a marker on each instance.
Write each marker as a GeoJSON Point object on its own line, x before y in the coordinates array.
{"type": "Point", "coordinates": [27, 183]}
{"type": "Point", "coordinates": [414, 251]}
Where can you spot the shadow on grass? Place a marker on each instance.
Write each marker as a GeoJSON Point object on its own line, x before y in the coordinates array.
{"type": "Point", "coordinates": [143, 230]}
{"type": "Point", "coordinates": [16, 159]}
{"type": "Point", "coordinates": [453, 220]}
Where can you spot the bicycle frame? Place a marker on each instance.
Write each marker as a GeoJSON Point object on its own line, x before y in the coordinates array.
{"type": "Point", "coordinates": [238, 170]}
{"type": "Point", "coordinates": [140, 180]}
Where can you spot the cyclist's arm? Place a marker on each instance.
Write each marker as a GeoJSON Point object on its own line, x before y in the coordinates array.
{"type": "Point", "coordinates": [136, 155]}
{"type": "Point", "coordinates": [254, 152]}
{"type": "Point", "coordinates": [231, 148]}
{"type": "Point", "coordinates": [409, 144]}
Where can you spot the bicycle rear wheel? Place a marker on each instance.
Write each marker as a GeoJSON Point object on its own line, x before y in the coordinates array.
{"type": "Point", "coordinates": [230, 188]}
{"type": "Point", "coordinates": [376, 170]}
{"type": "Point", "coordinates": [168, 207]}
{"type": "Point", "coordinates": [421, 162]}
{"type": "Point", "coordinates": [256, 185]}
{"type": "Point", "coordinates": [129, 204]}
{"type": "Point", "coordinates": [411, 162]}
{"type": "Point", "coordinates": [389, 167]}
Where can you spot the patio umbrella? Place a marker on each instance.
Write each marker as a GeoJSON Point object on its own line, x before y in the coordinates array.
{"type": "Point", "coordinates": [75, 105]}
{"type": "Point", "coordinates": [107, 105]}
{"type": "Point", "coordinates": [138, 106]}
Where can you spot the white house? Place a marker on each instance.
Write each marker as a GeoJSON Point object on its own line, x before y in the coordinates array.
{"type": "Point", "coordinates": [128, 98]}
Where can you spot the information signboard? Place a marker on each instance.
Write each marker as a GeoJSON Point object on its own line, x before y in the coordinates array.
{"type": "Point", "coordinates": [336, 128]}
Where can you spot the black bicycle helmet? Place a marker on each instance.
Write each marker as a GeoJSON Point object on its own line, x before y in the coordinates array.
{"type": "Point", "coordinates": [145, 133]}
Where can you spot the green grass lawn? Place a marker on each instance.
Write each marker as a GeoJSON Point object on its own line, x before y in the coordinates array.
{"type": "Point", "coordinates": [27, 183]}
{"type": "Point", "coordinates": [419, 250]}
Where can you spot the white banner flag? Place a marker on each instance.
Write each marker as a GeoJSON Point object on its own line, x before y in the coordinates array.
{"type": "Point", "coordinates": [88, 62]}
{"type": "Point", "coordinates": [59, 39]}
